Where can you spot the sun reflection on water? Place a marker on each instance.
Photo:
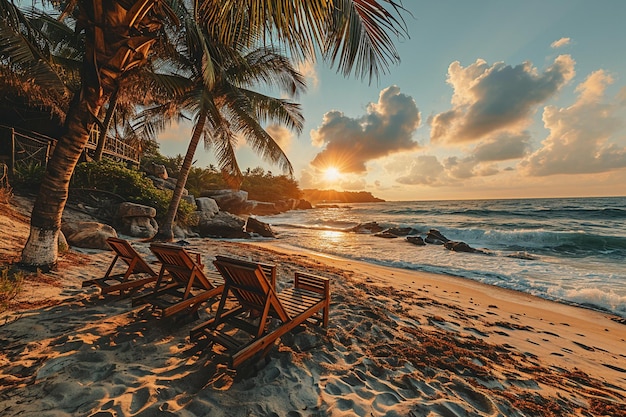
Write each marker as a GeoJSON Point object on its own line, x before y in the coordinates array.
{"type": "Point", "coordinates": [331, 238]}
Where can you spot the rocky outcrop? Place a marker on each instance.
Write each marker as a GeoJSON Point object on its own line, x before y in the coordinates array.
{"type": "Point", "coordinates": [434, 237]}
{"type": "Point", "coordinates": [461, 247]}
{"type": "Point", "coordinates": [386, 235]}
{"type": "Point", "coordinates": [232, 201]}
{"type": "Point", "coordinates": [303, 205]}
{"type": "Point", "coordinates": [224, 225]}
{"type": "Point", "coordinates": [369, 227]}
{"type": "Point", "coordinates": [261, 208]}
{"type": "Point", "coordinates": [401, 231]}
{"type": "Point", "coordinates": [416, 240]}
{"type": "Point", "coordinates": [88, 235]}
{"type": "Point", "coordinates": [258, 227]}
{"type": "Point", "coordinates": [207, 205]}
{"type": "Point", "coordinates": [166, 184]}
{"type": "Point", "coordinates": [157, 170]}
{"type": "Point", "coordinates": [138, 220]}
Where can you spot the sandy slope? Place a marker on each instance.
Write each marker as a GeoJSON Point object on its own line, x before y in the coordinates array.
{"type": "Point", "coordinates": [399, 343]}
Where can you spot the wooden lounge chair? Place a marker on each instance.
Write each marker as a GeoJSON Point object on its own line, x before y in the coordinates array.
{"type": "Point", "coordinates": [137, 274]}
{"type": "Point", "coordinates": [182, 284]}
{"type": "Point", "coordinates": [256, 302]}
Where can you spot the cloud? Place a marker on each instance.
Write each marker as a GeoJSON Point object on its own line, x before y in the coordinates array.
{"type": "Point", "coordinates": [481, 161]}
{"type": "Point", "coordinates": [560, 43]}
{"type": "Point", "coordinates": [503, 147]}
{"type": "Point", "coordinates": [489, 99]}
{"type": "Point", "coordinates": [584, 137]}
{"type": "Point", "coordinates": [355, 184]}
{"type": "Point", "coordinates": [281, 135]}
{"type": "Point", "coordinates": [386, 128]}
{"type": "Point", "coordinates": [425, 170]}
{"type": "Point", "coordinates": [308, 70]}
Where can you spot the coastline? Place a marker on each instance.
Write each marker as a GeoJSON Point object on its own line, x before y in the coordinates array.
{"type": "Point", "coordinates": [399, 343]}
{"type": "Point", "coordinates": [484, 299]}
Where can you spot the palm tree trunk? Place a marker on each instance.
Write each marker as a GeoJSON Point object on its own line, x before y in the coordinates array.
{"type": "Point", "coordinates": [166, 231]}
{"type": "Point", "coordinates": [41, 249]}
{"type": "Point", "coordinates": [102, 137]}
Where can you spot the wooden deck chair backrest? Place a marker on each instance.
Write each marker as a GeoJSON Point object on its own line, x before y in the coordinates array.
{"type": "Point", "coordinates": [180, 265]}
{"type": "Point", "coordinates": [124, 251]}
{"type": "Point", "coordinates": [250, 285]}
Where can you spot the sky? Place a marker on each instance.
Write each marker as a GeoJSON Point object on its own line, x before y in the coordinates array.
{"type": "Point", "coordinates": [491, 99]}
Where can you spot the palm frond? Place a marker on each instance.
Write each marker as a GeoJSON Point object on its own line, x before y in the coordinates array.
{"type": "Point", "coordinates": [358, 36]}
{"type": "Point", "coordinates": [274, 110]}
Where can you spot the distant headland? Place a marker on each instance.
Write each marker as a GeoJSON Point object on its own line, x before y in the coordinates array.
{"type": "Point", "coordinates": [332, 196]}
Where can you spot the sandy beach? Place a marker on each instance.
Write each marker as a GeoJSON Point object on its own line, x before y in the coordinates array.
{"type": "Point", "coordinates": [399, 343]}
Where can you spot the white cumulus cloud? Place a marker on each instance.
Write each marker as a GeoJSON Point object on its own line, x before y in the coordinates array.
{"type": "Point", "coordinates": [386, 128]}
{"type": "Point", "coordinates": [585, 137]}
{"type": "Point", "coordinates": [491, 99]}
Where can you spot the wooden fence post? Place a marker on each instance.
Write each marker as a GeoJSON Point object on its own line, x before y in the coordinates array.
{"type": "Point", "coordinates": [12, 167]}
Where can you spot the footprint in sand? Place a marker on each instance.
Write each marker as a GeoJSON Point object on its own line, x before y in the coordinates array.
{"type": "Point", "coordinates": [140, 399]}
{"type": "Point", "coordinates": [589, 348]}
{"type": "Point", "coordinates": [615, 368]}
{"type": "Point", "coordinates": [474, 397]}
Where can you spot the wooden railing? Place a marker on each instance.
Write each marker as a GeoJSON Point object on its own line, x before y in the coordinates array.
{"type": "Point", "coordinates": [114, 148]}
{"type": "Point", "coordinates": [25, 146]}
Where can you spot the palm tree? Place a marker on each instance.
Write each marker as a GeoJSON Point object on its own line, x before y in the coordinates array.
{"type": "Point", "coordinates": [225, 108]}
{"type": "Point", "coordinates": [353, 34]}
{"type": "Point", "coordinates": [118, 37]}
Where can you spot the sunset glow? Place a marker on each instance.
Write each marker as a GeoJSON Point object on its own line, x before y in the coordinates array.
{"type": "Point", "coordinates": [332, 174]}
{"type": "Point", "coordinates": [536, 113]}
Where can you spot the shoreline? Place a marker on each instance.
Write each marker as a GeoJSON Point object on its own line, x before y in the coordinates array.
{"type": "Point", "coordinates": [399, 343]}
{"type": "Point", "coordinates": [285, 247]}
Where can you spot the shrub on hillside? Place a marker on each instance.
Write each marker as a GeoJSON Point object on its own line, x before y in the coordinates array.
{"type": "Point", "coordinates": [130, 184]}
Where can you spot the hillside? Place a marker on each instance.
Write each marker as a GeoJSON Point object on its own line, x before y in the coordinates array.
{"type": "Point", "coordinates": [332, 196]}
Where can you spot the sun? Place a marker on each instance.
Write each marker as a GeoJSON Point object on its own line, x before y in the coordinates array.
{"type": "Point", "coordinates": [332, 174]}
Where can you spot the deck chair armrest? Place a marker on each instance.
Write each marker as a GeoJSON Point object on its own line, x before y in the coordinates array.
{"type": "Point", "coordinates": [197, 257]}
{"type": "Point", "coordinates": [313, 283]}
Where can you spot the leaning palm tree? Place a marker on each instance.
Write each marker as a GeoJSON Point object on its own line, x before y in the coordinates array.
{"type": "Point", "coordinates": [226, 108]}
{"type": "Point", "coordinates": [353, 34]}
{"type": "Point", "coordinates": [118, 37]}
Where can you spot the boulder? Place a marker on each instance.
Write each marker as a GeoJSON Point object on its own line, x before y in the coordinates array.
{"type": "Point", "coordinates": [303, 205]}
{"type": "Point", "coordinates": [258, 227]}
{"type": "Point", "coordinates": [232, 201]}
{"type": "Point", "coordinates": [127, 209]}
{"type": "Point", "coordinates": [262, 208]}
{"type": "Point", "coordinates": [223, 225]}
{"type": "Point", "coordinates": [157, 170]}
{"type": "Point", "coordinates": [370, 227]}
{"type": "Point", "coordinates": [145, 227]}
{"type": "Point", "coordinates": [207, 205]}
{"type": "Point", "coordinates": [434, 237]}
{"type": "Point", "coordinates": [282, 206]}
{"type": "Point", "coordinates": [386, 235]}
{"type": "Point", "coordinates": [138, 220]}
{"type": "Point", "coordinates": [401, 231]}
{"type": "Point", "coordinates": [89, 235]}
{"type": "Point", "coordinates": [416, 240]}
{"type": "Point", "coordinates": [166, 184]}
{"type": "Point", "coordinates": [460, 247]}
{"type": "Point", "coordinates": [181, 232]}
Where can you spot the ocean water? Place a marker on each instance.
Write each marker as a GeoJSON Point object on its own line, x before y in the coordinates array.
{"type": "Point", "coordinates": [571, 250]}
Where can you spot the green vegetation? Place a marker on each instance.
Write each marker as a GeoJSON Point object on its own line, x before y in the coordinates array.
{"type": "Point", "coordinates": [132, 185]}
{"type": "Point", "coordinates": [260, 185]}
{"type": "Point", "coordinates": [10, 286]}
{"type": "Point", "coordinates": [263, 186]}
{"type": "Point", "coordinates": [339, 196]}
{"type": "Point", "coordinates": [28, 176]}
